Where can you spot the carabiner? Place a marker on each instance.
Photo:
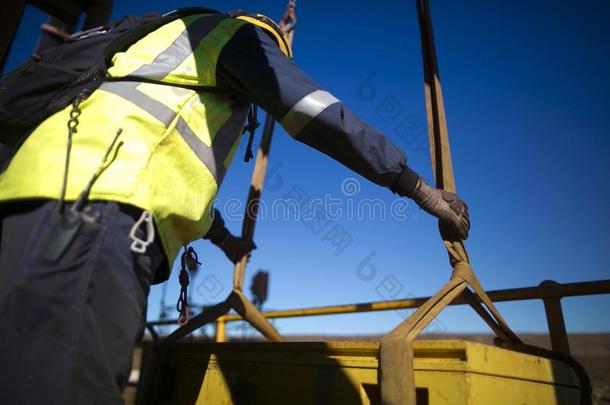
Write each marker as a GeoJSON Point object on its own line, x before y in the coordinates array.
{"type": "Point", "coordinates": [139, 245]}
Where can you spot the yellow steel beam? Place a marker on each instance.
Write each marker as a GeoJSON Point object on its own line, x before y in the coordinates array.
{"type": "Point", "coordinates": [513, 294]}
{"type": "Point", "coordinates": [540, 292]}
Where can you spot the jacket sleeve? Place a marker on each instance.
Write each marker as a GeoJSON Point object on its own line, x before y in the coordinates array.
{"type": "Point", "coordinates": [252, 66]}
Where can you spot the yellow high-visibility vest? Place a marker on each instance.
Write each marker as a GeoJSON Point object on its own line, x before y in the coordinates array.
{"type": "Point", "coordinates": [176, 143]}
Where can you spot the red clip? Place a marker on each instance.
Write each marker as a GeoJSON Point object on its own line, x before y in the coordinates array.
{"type": "Point", "coordinates": [184, 318]}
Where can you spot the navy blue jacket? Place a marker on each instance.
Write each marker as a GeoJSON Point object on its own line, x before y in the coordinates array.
{"type": "Point", "coordinates": [252, 66]}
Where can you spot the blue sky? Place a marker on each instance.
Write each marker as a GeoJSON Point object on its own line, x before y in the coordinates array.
{"type": "Point", "coordinates": [525, 88]}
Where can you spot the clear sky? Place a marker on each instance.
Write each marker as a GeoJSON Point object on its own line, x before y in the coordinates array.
{"type": "Point", "coordinates": [525, 86]}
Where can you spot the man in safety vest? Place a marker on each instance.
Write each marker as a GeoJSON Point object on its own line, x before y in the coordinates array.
{"type": "Point", "coordinates": [83, 238]}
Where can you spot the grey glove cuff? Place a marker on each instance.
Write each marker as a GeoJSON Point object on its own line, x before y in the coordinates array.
{"type": "Point", "coordinates": [433, 202]}
{"type": "Point", "coordinates": [406, 183]}
{"type": "Point", "coordinates": [429, 199]}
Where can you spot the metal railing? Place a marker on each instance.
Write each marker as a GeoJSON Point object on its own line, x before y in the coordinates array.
{"type": "Point", "coordinates": [550, 292]}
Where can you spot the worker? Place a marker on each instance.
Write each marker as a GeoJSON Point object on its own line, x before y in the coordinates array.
{"type": "Point", "coordinates": [85, 233]}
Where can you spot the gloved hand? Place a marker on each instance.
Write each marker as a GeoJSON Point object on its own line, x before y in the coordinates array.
{"type": "Point", "coordinates": [452, 212]}
{"type": "Point", "coordinates": [235, 247]}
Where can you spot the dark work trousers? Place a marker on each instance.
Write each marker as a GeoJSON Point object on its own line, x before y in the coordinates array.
{"type": "Point", "coordinates": [68, 327]}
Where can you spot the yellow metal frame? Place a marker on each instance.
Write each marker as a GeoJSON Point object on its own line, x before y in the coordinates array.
{"type": "Point", "coordinates": [448, 372]}
{"type": "Point", "coordinates": [549, 292]}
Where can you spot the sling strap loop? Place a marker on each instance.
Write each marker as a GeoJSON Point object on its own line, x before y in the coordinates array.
{"type": "Point", "coordinates": [396, 357]}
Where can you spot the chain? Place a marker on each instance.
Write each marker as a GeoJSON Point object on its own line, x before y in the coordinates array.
{"type": "Point", "coordinates": [75, 113]}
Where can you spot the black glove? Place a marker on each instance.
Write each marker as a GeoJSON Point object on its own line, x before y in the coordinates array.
{"type": "Point", "coordinates": [452, 212]}
{"type": "Point", "coordinates": [236, 247]}
{"type": "Point", "coordinates": [233, 247]}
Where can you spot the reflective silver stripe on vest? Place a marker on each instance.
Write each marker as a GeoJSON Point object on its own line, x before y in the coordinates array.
{"type": "Point", "coordinates": [180, 49]}
{"type": "Point", "coordinates": [212, 157]}
{"type": "Point", "coordinates": [308, 108]}
{"type": "Point", "coordinates": [128, 91]}
{"type": "Point", "coordinates": [229, 133]}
